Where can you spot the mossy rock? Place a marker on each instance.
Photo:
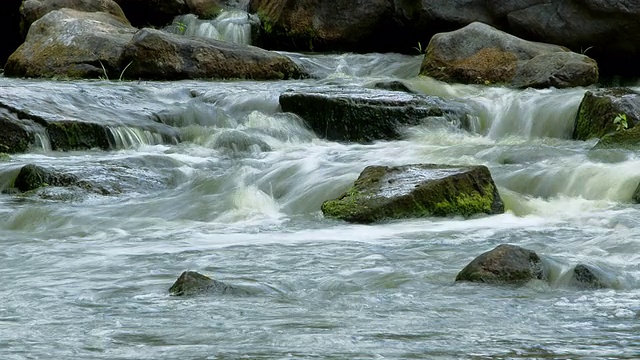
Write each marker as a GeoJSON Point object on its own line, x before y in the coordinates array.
{"type": "Point", "coordinates": [14, 137]}
{"type": "Point", "coordinates": [588, 277]}
{"type": "Point", "coordinates": [599, 108]}
{"type": "Point", "coordinates": [32, 177]}
{"type": "Point", "coordinates": [414, 191]}
{"type": "Point", "coordinates": [77, 135]}
{"type": "Point", "coordinates": [505, 264]}
{"type": "Point", "coordinates": [628, 139]}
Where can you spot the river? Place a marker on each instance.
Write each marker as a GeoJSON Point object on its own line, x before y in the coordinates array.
{"type": "Point", "coordinates": [85, 276]}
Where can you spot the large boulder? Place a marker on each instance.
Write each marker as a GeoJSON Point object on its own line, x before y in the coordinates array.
{"type": "Point", "coordinates": [598, 111]}
{"type": "Point", "coordinates": [413, 191]}
{"type": "Point", "coordinates": [33, 10]}
{"type": "Point", "coordinates": [192, 283]}
{"type": "Point", "coordinates": [32, 177]}
{"type": "Point", "coordinates": [479, 53]}
{"type": "Point", "coordinates": [154, 54]}
{"type": "Point", "coordinates": [506, 264]}
{"type": "Point", "coordinates": [72, 44]}
{"type": "Point", "coordinates": [9, 28]}
{"type": "Point", "coordinates": [365, 115]}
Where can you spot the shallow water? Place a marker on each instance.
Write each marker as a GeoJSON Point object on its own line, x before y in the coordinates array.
{"type": "Point", "coordinates": [86, 275]}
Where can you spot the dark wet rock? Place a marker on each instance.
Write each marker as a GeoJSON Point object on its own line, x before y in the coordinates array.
{"type": "Point", "coordinates": [365, 115]}
{"type": "Point", "coordinates": [481, 54]}
{"type": "Point", "coordinates": [239, 141]}
{"type": "Point", "coordinates": [628, 139]}
{"type": "Point", "coordinates": [393, 85]}
{"type": "Point", "coordinates": [9, 28]}
{"type": "Point", "coordinates": [33, 10]}
{"type": "Point", "coordinates": [588, 277]}
{"type": "Point", "coordinates": [32, 177]}
{"type": "Point", "coordinates": [413, 191]}
{"type": "Point", "coordinates": [192, 283]}
{"type": "Point", "coordinates": [76, 135]}
{"type": "Point", "coordinates": [15, 136]}
{"type": "Point", "coordinates": [158, 55]}
{"type": "Point", "coordinates": [72, 44]}
{"type": "Point", "coordinates": [598, 110]}
{"type": "Point", "coordinates": [506, 264]}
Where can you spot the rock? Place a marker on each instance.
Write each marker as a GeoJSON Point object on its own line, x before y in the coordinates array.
{"type": "Point", "coordinates": [237, 141]}
{"type": "Point", "coordinates": [9, 28]}
{"type": "Point", "coordinates": [15, 136]}
{"type": "Point", "coordinates": [71, 44]}
{"type": "Point", "coordinates": [393, 85]}
{"type": "Point", "coordinates": [480, 54]}
{"type": "Point", "coordinates": [506, 264]}
{"type": "Point", "coordinates": [153, 12]}
{"type": "Point", "coordinates": [32, 177]}
{"type": "Point", "coordinates": [599, 108]}
{"type": "Point", "coordinates": [628, 139]}
{"type": "Point", "coordinates": [413, 191]}
{"type": "Point", "coordinates": [365, 115]}
{"type": "Point", "coordinates": [163, 56]}
{"type": "Point", "coordinates": [33, 10]}
{"type": "Point", "coordinates": [608, 31]}
{"type": "Point", "coordinates": [192, 283]}
{"type": "Point", "coordinates": [589, 277]}
{"type": "Point", "coordinates": [77, 135]}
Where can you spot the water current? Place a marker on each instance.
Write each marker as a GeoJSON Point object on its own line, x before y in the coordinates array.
{"type": "Point", "coordinates": [85, 276]}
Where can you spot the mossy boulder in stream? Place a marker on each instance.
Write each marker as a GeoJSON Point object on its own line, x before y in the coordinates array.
{"type": "Point", "coordinates": [77, 135]}
{"type": "Point", "coordinates": [32, 177]}
{"type": "Point", "coordinates": [365, 115]}
{"type": "Point", "coordinates": [598, 110]}
{"type": "Point", "coordinates": [481, 54]}
{"type": "Point", "coordinates": [15, 136]}
{"type": "Point", "coordinates": [506, 264]}
{"type": "Point", "coordinates": [418, 190]}
{"type": "Point", "coordinates": [192, 283]}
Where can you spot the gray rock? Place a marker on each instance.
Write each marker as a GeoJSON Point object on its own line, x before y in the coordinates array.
{"type": "Point", "coordinates": [481, 54]}
{"type": "Point", "coordinates": [193, 283]}
{"type": "Point", "coordinates": [588, 277]}
{"type": "Point", "coordinates": [365, 115]}
{"type": "Point", "coordinates": [71, 44]}
{"type": "Point", "coordinates": [413, 191]}
{"type": "Point", "coordinates": [505, 264]}
{"type": "Point", "coordinates": [154, 54]}
{"type": "Point", "coordinates": [33, 10]}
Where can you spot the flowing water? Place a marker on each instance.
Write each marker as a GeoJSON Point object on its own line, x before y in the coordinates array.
{"type": "Point", "coordinates": [85, 275]}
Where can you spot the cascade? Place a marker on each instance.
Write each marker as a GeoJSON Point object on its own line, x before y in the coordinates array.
{"type": "Point", "coordinates": [125, 137]}
{"type": "Point", "coordinates": [231, 26]}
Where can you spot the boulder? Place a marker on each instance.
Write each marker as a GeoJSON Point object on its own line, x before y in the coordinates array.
{"type": "Point", "coordinates": [418, 190]}
{"type": "Point", "coordinates": [365, 115]}
{"type": "Point", "coordinates": [506, 264]}
{"type": "Point", "coordinates": [153, 12]}
{"type": "Point", "coordinates": [72, 44]}
{"type": "Point", "coordinates": [157, 55]}
{"type": "Point", "coordinates": [599, 108]}
{"type": "Point", "coordinates": [32, 177]}
{"type": "Point", "coordinates": [481, 54]}
{"type": "Point", "coordinates": [9, 28]}
{"type": "Point", "coordinates": [33, 10]}
{"type": "Point", "coordinates": [192, 283]}
{"type": "Point", "coordinates": [628, 139]}
{"type": "Point", "coordinates": [78, 135]}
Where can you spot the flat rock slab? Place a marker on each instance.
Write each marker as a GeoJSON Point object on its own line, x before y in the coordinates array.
{"type": "Point", "coordinates": [418, 190]}
{"type": "Point", "coordinates": [365, 115]}
{"type": "Point", "coordinates": [506, 264]}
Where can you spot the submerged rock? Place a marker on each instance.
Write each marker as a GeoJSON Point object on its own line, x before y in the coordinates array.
{"type": "Point", "coordinates": [157, 55]}
{"type": "Point", "coordinates": [192, 283]}
{"type": "Point", "coordinates": [584, 276]}
{"type": "Point", "coordinates": [365, 115]}
{"type": "Point", "coordinates": [598, 111]}
{"type": "Point", "coordinates": [419, 190]}
{"type": "Point", "coordinates": [71, 44]}
{"type": "Point", "coordinates": [481, 54]}
{"type": "Point", "coordinates": [237, 141]}
{"type": "Point", "coordinates": [32, 177]}
{"type": "Point", "coordinates": [506, 264]}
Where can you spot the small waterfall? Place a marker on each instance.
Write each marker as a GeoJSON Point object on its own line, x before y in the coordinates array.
{"type": "Point", "coordinates": [127, 137]}
{"type": "Point", "coordinates": [42, 140]}
{"type": "Point", "coordinates": [231, 26]}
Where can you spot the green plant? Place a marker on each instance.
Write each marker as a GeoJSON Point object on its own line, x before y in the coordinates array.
{"type": "Point", "coordinates": [419, 48]}
{"type": "Point", "coordinates": [125, 69]}
{"type": "Point", "coordinates": [621, 122]}
{"type": "Point", "coordinates": [181, 27]}
{"type": "Point", "coordinates": [584, 51]}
